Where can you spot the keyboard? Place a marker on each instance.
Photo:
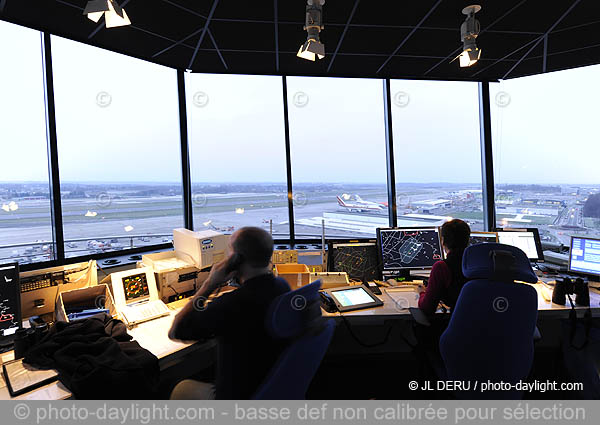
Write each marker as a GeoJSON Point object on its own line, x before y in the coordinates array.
{"type": "Point", "coordinates": [138, 313]}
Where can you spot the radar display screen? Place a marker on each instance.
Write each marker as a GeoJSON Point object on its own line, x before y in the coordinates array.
{"type": "Point", "coordinates": [135, 286]}
{"type": "Point", "coordinates": [359, 260]}
{"type": "Point", "coordinates": [409, 248]}
{"type": "Point", "coordinates": [10, 303]}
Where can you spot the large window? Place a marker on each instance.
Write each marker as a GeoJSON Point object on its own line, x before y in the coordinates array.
{"type": "Point", "coordinates": [546, 150]}
{"type": "Point", "coordinates": [25, 223]}
{"type": "Point", "coordinates": [237, 152]}
{"type": "Point", "coordinates": [119, 149]}
{"type": "Point", "coordinates": [437, 152]}
{"type": "Point", "coordinates": [337, 142]}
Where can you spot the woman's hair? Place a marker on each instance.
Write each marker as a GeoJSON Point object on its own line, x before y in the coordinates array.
{"type": "Point", "coordinates": [455, 236]}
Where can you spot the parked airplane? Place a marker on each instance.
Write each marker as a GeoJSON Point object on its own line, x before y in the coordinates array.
{"type": "Point", "coordinates": [358, 204]}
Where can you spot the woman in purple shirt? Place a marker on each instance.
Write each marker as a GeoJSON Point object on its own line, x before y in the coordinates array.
{"type": "Point", "coordinates": [446, 279]}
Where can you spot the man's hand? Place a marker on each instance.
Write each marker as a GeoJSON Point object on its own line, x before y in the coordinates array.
{"type": "Point", "coordinates": [219, 275]}
{"type": "Point", "coordinates": [421, 289]}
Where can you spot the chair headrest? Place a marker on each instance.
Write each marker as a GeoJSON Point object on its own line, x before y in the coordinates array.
{"type": "Point", "coordinates": [292, 313]}
{"type": "Point", "coordinates": [497, 261]}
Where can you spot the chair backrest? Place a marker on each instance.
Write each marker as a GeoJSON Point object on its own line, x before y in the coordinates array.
{"type": "Point", "coordinates": [296, 316]}
{"type": "Point", "coordinates": [491, 331]}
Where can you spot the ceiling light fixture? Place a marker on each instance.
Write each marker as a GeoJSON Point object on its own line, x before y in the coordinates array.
{"type": "Point", "coordinates": [114, 15]}
{"type": "Point", "coordinates": [469, 30]}
{"type": "Point", "coordinates": [313, 48]}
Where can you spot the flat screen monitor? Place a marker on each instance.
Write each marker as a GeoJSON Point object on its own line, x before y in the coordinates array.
{"type": "Point", "coordinates": [527, 239]}
{"type": "Point", "coordinates": [353, 298]}
{"type": "Point", "coordinates": [585, 255]}
{"type": "Point", "coordinates": [406, 248]}
{"type": "Point", "coordinates": [10, 299]}
{"type": "Point", "coordinates": [483, 237]}
{"type": "Point", "coordinates": [358, 258]}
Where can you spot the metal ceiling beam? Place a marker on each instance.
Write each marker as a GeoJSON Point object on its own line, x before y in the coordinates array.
{"type": "Point", "coordinates": [575, 3]}
{"type": "Point", "coordinates": [544, 62]}
{"type": "Point", "coordinates": [507, 56]}
{"type": "Point", "coordinates": [455, 52]}
{"type": "Point", "coordinates": [102, 24]}
{"type": "Point", "coordinates": [206, 24]}
{"type": "Point", "coordinates": [377, 26]}
{"type": "Point", "coordinates": [593, 46]}
{"type": "Point", "coordinates": [276, 23]}
{"type": "Point", "coordinates": [575, 27]}
{"type": "Point", "coordinates": [214, 42]}
{"type": "Point", "coordinates": [409, 35]}
{"type": "Point", "coordinates": [343, 34]}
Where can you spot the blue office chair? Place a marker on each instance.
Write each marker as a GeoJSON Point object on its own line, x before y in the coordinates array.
{"type": "Point", "coordinates": [296, 316]}
{"type": "Point", "coordinates": [491, 332]}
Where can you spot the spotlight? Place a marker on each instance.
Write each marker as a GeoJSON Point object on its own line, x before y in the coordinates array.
{"type": "Point", "coordinates": [313, 48]}
{"type": "Point", "coordinates": [114, 15]}
{"type": "Point", "coordinates": [469, 30]}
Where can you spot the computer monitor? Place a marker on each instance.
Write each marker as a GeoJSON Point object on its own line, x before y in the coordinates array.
{"type": "Point", "coordinates": [133, 286]}
{"type": "Point", "coordinates": [483, 237]}
{"type": "Point", "coordinates": [405, 248]}
{"type": "Point", "coordinates": [358, 258]}
{"type": "Point", "coordinates": [527, 239]}
{"type": "Point", "coordinates": [585, 256]}
{"type": "Point", "coordinates": [10, 299]}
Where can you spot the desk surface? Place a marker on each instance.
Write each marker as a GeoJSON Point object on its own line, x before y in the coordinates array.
{"type": "Point", "coordinates": [397, 300]}
{"type": "Point", "coordinates": [152, 335]}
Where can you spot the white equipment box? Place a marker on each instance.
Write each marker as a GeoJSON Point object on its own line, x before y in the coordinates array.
{"type": "Point", "coordinates": [176, 277]}
{"type": "Point", "coordinates": [203, 248]}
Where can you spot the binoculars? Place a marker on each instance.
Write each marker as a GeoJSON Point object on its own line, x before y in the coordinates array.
{"type": "Point", "coordinates": [567, 285]}
{"type": "Point", "coordinates": [26, 338]}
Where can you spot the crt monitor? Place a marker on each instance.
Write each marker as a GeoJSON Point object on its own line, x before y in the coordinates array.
{"type": "Point", "coordinates": [585, 256]}
{"type": "Point", "coordinates": [483, 237]}
{"type": "Point", "coordinates": [406, 248]}
{"type": "Point", "coordinates": [10, 299]}
{"type": "Point", "coordinates": [527, 239]}
{"type": "Point", "coordinates": [358, 258]}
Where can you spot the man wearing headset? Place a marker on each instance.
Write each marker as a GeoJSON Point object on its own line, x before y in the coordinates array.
{"type": "Point", "coordinates": [246, 352]}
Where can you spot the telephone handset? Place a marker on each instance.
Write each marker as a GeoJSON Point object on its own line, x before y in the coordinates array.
{"type": "Point", "coordinates": [233, 264]}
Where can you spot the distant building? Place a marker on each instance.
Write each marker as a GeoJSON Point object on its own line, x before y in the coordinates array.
{"type": "Point", "coordinates": [432, 204]}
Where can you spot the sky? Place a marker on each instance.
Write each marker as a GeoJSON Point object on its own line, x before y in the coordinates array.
{"type": "Point", "coordinates": [117, 121]}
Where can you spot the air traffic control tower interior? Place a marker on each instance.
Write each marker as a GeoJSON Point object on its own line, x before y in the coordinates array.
{"type": "Point", "coordinates": [320, 200]}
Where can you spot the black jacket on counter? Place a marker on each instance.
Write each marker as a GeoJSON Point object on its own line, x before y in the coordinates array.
{"type": "Point", "coordinates": [97, 360]}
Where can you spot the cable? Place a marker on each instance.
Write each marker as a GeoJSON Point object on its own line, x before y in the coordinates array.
{"type": "Point", "coordinates": [363, 344]}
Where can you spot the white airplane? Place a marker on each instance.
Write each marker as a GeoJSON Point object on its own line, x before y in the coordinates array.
{"type": "Point", "coordinates": [359, 205]}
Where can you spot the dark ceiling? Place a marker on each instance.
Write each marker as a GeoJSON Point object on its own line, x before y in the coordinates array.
{"type": "Point", "coordinates": [368, 38]}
